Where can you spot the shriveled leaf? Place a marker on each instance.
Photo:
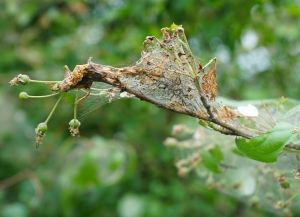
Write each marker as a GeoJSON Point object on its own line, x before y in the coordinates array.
{"type": "Point", "coordinates": [209, 161]}
{"type": "Point", "coordinates": [267, 147]}
{"type": "Point", "coordinates": [291, 112]}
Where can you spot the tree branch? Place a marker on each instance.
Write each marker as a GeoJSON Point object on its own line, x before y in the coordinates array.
{"type": "Point", "coordinates": [167, 75]}
{"type": "Point", "coordinates": [83, 76]}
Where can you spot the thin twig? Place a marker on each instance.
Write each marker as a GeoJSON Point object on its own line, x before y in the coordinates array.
{"type": "Point", "coordinates": [262, 117]}
{"type": "Point", "coordinates": [258, 123]}
{"type": "Point", "coordinates": [84, 97]}
{"type": "Point", "coordinates": [254, 130]}
{"type": "Point", "coordinates": [267, 109]}
{"type": "Point", "coordinates": [14, 179]}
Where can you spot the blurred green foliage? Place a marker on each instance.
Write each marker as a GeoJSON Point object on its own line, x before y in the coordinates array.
{"type": "Point", "coordinates": [130, 172]}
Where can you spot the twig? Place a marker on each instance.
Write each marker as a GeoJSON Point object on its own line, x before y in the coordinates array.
{"type": "Point", "coordinates": [14, 179]}
{"type": "Point", "coordinates": [258, 123]}
{"type": "Point", "coordinates": [93, 72]}
{"type": "Point", "coordinates": [254, 130]}
{"type": "Point", "coordinates": [267, 109]}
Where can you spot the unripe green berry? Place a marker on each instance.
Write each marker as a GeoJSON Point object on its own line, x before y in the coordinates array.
{"type": "Point", "coordinates": [285, 184]}
{"type": "Point", "coordinates": [287, 212]}
{"type": "Point", "coordinates": [254, 202]}
{"type": "Point", "coordinates": [74, 123]}
{"type": "Point", "coordinates": [23, 79]}
{"type": "Point", "coordinates": [41, 128]}
{"type": "Point", "coordinates": [23, 95]}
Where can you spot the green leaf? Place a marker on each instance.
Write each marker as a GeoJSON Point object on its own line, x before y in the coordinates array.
{"type": "Point", "coordinates": [236, 151]}
{"type": "Point", "coordinates": [203, 123]}
{"type": "Point", "coordinates": [209, 161]}
{"type": "Point", "coordinates": [174, 27]}
{"type": "Point", "coordinates": [216, 153]}
{"type": "Point", "coordinates": [282, 100]}
{"type": "Point", "coordinates": [267, 147]}
{"type": "Point", "coordinates": [87, 173]}
{"type": "Point", "coordinates": [291, 112]}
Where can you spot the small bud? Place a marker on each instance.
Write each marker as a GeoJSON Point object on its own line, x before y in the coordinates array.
{"type": "Point", "coordinates": [74, 127]}
{"type": "Point", "coordinates": [23, 95]}
{"type": "Point", "coordinates": [270, 196]}
{"type": "Point", "coordinates": [170, 142]}
{"type": "Point", "coordinates": [23, 79]}
{"type": "Point", "coordinates": [254, 202]}
{"type": "Point", "coordinates": [285, 184]}
{"type": "Point", "coordinates": [178, 129]}
{"type": "Point", "coordinates": [182, 171]}
{"type": "Point", "coordinates": [280, 205]}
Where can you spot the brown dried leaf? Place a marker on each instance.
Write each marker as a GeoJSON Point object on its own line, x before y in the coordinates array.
{"type": "Point", "coordinates": [208, 79]}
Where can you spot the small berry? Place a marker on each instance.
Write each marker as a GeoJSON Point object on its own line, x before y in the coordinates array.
{"type": "Point", "coordinates": [23, 79]}
{"type": "Point", "coordinates": [254, 202]}
{"type": "Point", "coordinates": [74, 123]}
{"type": "Point", "coordinates": [74, 127]}
{"type": "Point", "coordinates": [23, 95]}
{"type": "Point", "coordinates": [41, 128]}
{"type": "Point", "coordinates": [285, 184]}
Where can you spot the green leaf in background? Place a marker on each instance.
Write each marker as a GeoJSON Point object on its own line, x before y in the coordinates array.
{"type": "Point", "coordinates": [217, 153]}
{"type": "Point", "coordinates": [210, 161]}
{"type": "Point", "coordinates": [267, 147]}
{"type": "Point", "coordinates": [236, 151]}
{"type": "Point", "coordinates": [87, 173]}
{"type": "Point", "coordinates": [282, 100]}
{"type": "Point", "coordinates": [291, 112]}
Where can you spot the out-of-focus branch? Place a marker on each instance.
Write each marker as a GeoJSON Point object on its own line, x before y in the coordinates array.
{"type": "Point", "coordinates": [14, 179]}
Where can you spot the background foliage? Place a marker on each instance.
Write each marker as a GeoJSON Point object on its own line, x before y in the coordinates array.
{"type": "Point", "coordinates": [119, 167]}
